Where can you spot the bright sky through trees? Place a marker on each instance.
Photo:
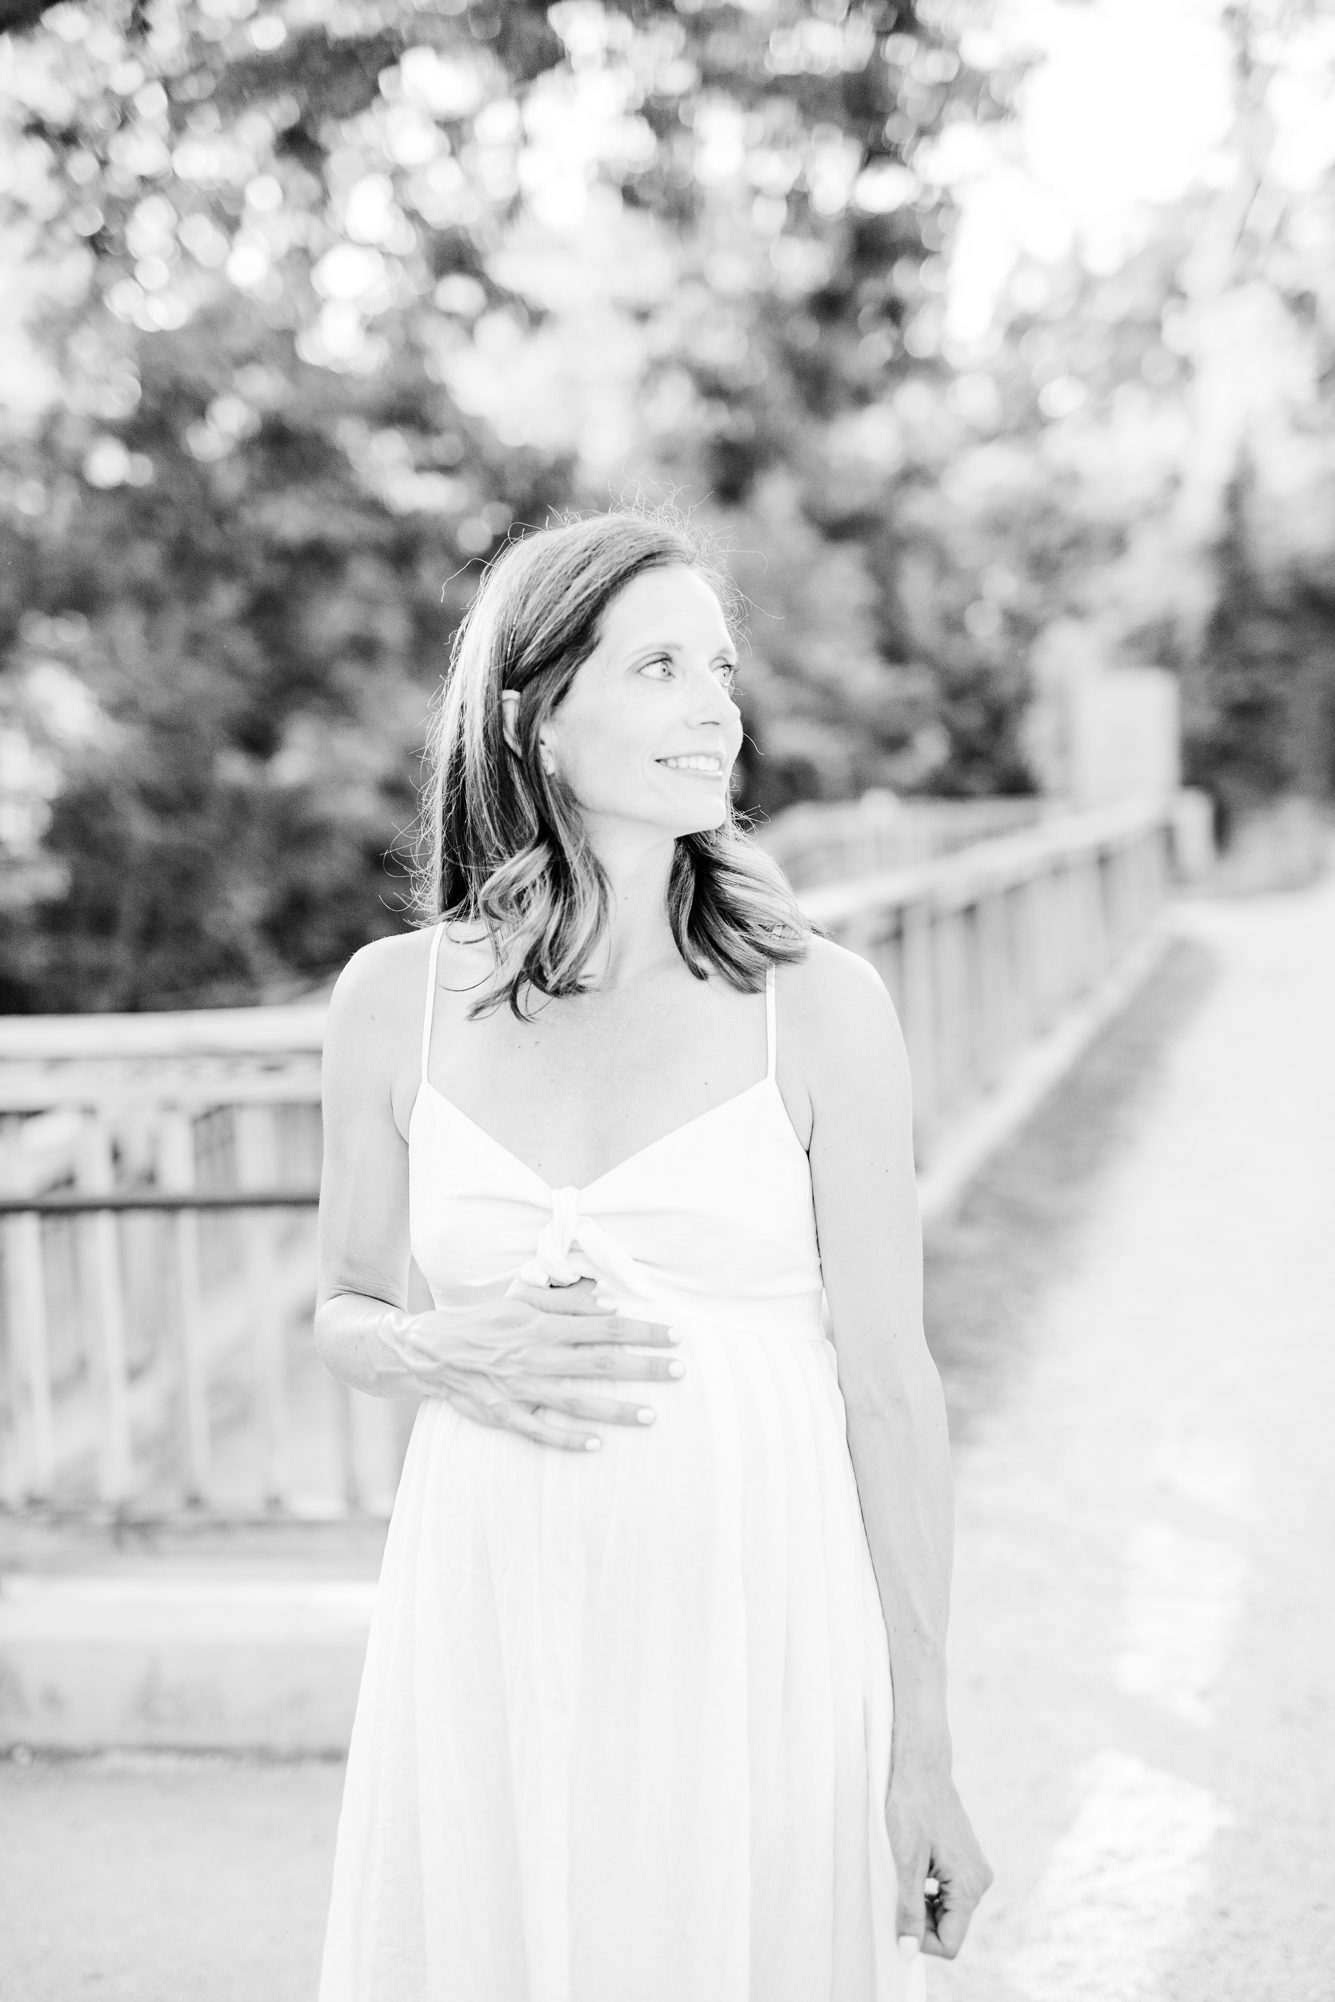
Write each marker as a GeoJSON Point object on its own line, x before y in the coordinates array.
{"type": "Point", "coordinates": [1129, 104]}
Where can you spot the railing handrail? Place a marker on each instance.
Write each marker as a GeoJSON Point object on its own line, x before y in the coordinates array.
{"type": "Point", "coordinates": [80, 1202]}
{"type": "Point", "coordinates": [948, 881]}
{"type": "Point", "coordinates": [288, 1029]}
{"type": "Point", "coordinates": [280, 1030]}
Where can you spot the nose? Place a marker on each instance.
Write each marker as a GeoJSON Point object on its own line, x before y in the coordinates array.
{"type": "Point", "coordinates": [711, 702]}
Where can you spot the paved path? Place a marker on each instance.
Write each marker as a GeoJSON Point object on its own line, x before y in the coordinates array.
{"type": "Point", "coordinates": [1144, 1638]}
{"type": "Point", "coordinates": [140, 1877]}
{"type": "Point", "coordinates": [1144, 1618]}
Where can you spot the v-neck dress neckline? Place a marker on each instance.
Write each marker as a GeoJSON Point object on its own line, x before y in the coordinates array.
{"type": "Point", "coordinates": [426, 1089]}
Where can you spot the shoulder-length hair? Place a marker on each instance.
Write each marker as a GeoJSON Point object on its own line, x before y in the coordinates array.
{"type": "Point", "coordinates": [503, 843]}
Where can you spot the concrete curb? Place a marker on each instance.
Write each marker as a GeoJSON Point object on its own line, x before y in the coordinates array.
{"type": "Point", "coordinates": [269, 1665]}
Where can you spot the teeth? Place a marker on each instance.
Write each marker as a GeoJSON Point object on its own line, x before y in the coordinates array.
{"type": "Point", "coordinates": [698, 764]}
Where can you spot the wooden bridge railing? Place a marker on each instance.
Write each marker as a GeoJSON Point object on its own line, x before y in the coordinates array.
{"type": "Point", "coordinates": [158, 1177]}
{"type": "Point", "coordinates": [986, 950]}
{"type": "Point", "coordinates": [820, 842]}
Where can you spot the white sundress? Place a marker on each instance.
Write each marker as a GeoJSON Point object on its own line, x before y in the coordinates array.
{"type": "Point", "coordinates": [623, 1732]}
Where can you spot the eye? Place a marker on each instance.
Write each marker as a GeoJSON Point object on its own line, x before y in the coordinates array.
{"type": "Point", "coordinates": [728, 670]}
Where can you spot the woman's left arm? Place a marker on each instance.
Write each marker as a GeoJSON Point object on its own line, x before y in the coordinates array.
{"type": "Point", "coordinates": [870, 1234]}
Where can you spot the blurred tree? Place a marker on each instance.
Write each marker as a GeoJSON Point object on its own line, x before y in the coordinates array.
{"type": "Point", "coordinates": [1253, 518]}
{"type": "Point", "coordinates": [1263, 721]}
{"type": "Point", "coordinates": [274, 251]}
{"type": "Point", "coordinates": [1144, 440]}
{"type": "Point", "coordinates": [260, 629]}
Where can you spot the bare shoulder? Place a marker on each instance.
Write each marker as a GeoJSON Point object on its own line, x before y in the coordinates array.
{"type": "Point", "coordinates": [834, 990]}
{"type": "Point", "coordinates": [373, 1029]}
{"type": "Point", "coordinates": [838, 1012]}
{"type": "Point", "coordinates": [383, 981]}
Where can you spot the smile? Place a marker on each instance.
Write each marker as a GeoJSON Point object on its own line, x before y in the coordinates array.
{"type": "Point", "coordinates": [704, 762]}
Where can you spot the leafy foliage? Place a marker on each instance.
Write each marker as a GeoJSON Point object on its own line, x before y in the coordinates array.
{"type": "Point", "coordinates": [255, 512]}
{"type": "Point", "coordinates": [334, 302]}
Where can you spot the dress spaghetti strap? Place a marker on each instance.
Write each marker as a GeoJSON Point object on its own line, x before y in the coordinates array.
{"type": "Point", "coordinates": [771, 1040]}
{"type": "Point", "coordinates": [429, 1004]}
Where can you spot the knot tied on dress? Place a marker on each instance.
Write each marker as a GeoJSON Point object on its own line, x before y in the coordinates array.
{"type": "Point", "coordinates": [573, 1245]}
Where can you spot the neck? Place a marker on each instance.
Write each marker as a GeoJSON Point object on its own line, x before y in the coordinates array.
{"type": "Point", "coordinates": [638, 864]}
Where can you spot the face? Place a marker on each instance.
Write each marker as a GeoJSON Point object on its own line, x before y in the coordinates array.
{"type": "Point", "coordinates": [648, 731]}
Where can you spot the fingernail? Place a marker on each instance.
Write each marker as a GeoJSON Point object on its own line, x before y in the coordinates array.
{"type": "Point", "coordinates": [908, 1945]}
{"type": "Point", "coordinates": [601, 1300]}
{"type": "Point", "coordinates": [672, 1334]}
{"type": "Point", "coordinates": [645, 1415]}
{"type": "Point", "coordinates": [676, 1369]}
{"type": "Point", "coordinates": [593, 1445]}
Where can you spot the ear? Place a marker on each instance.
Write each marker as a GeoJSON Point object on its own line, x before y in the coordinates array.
{"type": "Point", "coordinates": [510, 725]}
{"type": "Point", "coordinates": [510, 716]}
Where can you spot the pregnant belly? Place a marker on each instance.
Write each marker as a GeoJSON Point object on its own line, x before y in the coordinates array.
{"type": "Point", "coordinates": [753, 1431]}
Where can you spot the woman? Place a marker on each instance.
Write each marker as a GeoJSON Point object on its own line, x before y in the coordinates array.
{"type": "Point", "coordinates": [625, 1731]}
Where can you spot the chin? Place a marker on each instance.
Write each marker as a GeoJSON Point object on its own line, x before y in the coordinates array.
{"type": "Point", "coordinates": [703, 822]}
{"type": "Point", "coordinates": [702, 817]}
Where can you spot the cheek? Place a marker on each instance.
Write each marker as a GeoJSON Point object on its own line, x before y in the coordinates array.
{"type": "Point", "coordinates": [601, 761]}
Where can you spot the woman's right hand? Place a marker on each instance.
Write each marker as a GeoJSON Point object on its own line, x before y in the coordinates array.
{"type": "Point", "coordinates": [497, 1363]}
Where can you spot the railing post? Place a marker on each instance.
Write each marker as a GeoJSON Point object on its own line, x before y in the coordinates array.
{"type": "Point", "coordinates": [1158, 844]}
{"type": "Point", "coordinates": [1118, 909]}
{"type": "Point", "coordinates": [178, 1173]}
{"type": "Point", "coordinates": [951, 988]}
{"type": "Point", "coordinates": [991, 985]}
{"type": "Point", "coordinates": [973, 1000]}
{"type": "Point", "coordinates": [1066, 935]}
{"type": "Point", "coordinates": [257, 1167]}
{"type": "Point", "coordinates": [1038, 949]}
{"type": "Point", "coordinates": [919, 1018]}
{"type": "Point", "coordinates": [1105, 886]}
{"type": "Point", "coordinates": [1019, 970]}
{"type": "Point", "coordinates": [1090, 906]}
{"type": "Point", "coordinates": [103, 1300]}
{"type": "Point", "coordinates": [33, 1474]}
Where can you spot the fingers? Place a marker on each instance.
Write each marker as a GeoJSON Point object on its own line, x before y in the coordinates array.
{"type": "Point", "coordinates": [927, 1921]}
{"type": "Point", "coordinates": [946, 1930]}
{"type": "Point", "coordinates": [548, 1431]}
{"type": "Point", "coordinates": [549, 1373]}
{"type": "Point", "coordinates": [950, 1911]}
{"type": "Point", "coordinates": [616, 1328]}
{"type": "Point", "coordinates": [911, 1907]}
{"type": "Point", "coordinates": [587, 1349]}
{"type": "Point", "coordinates": [611, 1362]}
{"type": "Point", "coordinates": [579, 1297]}
{"type": "Point", "coordinates": [536, 1412]}
{"type": "Point", "coordinates": [614, 1410]}
{"type": "Point", "coordinates": [579, 1304]}
{"type": "Point", "coordinates": [942, 1872]}
{"type": "Point", "coordinates": [522, 1373]}
{"type": "Point", "coordinates": [508, 1414]}
{"type": "Point", "coordinates": [946, 1937]}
